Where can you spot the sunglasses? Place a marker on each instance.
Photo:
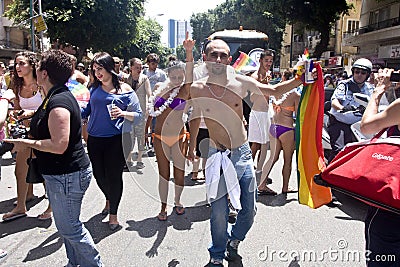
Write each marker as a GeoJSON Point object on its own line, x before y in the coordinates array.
{"type": "Point", "coordinates": [363, 72]}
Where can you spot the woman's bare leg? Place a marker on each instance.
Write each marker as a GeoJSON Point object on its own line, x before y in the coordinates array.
{"type": "Point", "coordinates": [163, 171]}
{"type": "Point", "coordinates": [21, 169]}
{"type": "Point", "coordinates": [273, 158]}
{"type": "Point", "coordinates": [288, 146]}
{"type": "Point", "coordinates": [179, 159]}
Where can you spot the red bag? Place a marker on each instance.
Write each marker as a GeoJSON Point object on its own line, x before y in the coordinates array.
{"type": "Point", "coordinates": [367, 170]}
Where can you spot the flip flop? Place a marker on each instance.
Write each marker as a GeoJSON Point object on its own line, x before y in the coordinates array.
{"type": "Point", "coordinates": [290, 191]}
{"type": "Point", "coordinates": [13, 216]}
{"type": "Point", "coordinates": [197, 178]}
{"type": "Point", "coordinates": [105, 211]}
{"type": "Point", "coordinates": [267, 192]}
{"type": "Point", "coordinates": [45, 216]}
{"type": "Point", "coordinates": [162, 216]}
{"type": "Point", "coordinates": [179, 210]}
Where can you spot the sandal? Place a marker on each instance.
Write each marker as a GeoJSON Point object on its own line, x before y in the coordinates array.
{"type": "Point", "coordinates": [179, 210]}
{"type": "Point", "coordinates": [10, 216]}
{"type": "Point", "coordinates": [162, 216]}
{"type": "Point", "coordinates": [45, 216]}
{"type": "Point", "coordinates": [290, 190]}
{"type": "Point", "coordinates": [267, 192]}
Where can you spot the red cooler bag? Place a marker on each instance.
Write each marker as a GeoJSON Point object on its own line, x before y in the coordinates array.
{"type": "Point", "coordinates": [367, 170]}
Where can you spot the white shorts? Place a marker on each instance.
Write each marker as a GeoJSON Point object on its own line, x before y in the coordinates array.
{"type": "Point", "coordinates": [259, 123]}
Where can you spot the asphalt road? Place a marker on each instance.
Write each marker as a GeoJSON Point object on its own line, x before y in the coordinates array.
{"type": "Point", "coordinates": [284, 233]}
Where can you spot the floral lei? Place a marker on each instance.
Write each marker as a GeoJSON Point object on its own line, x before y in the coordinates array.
{"type": "Point", "coordinates": [155, 113]}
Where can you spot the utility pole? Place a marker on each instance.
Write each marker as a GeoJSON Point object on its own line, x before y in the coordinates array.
{"type": "Point", "coordinates": [291, 46]}
{"type": "Point", "coordinates": [41, 32]}
{"type": "Point", "coordinates": [36, 14]}
{"type": "Point", "coordinates": [32, 26]}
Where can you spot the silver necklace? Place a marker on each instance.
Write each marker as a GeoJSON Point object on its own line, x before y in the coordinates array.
{"type": "Point", "coordinates": [211, 91]}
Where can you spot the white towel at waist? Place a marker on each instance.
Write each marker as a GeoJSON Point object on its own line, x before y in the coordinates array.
{"type": "Point", "coordinates": [213, 167]}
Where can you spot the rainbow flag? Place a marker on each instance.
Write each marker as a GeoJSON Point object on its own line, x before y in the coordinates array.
{"type": "Point", "coordinates": [309, 151]}
{"type": "Point", "coordinates": [244, 61]}
{"type": "Point", "coordinates": [306, 53]}
{"type": "Point", "coordinates": [80, 92]}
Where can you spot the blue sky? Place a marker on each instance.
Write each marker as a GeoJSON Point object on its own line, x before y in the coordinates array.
{"type": "Point", "coordinates": [163, 10]}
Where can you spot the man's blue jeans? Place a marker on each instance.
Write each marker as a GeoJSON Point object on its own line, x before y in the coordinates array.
{"type": "Point", "coordinates": [65, 194]}
{"type": "Point", "coordinates": [243, 162]}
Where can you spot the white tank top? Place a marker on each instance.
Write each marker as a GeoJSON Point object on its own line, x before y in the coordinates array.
{"type": "Point", "coordinates": [31, 103]}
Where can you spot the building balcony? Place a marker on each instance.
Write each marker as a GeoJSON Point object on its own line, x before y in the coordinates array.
{"type": "Point", "coordinates": [364, 36]}
{"type": "Point", "coordinates": [380, 25]}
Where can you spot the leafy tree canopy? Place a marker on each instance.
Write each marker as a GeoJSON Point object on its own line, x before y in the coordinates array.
{"type": "Point", "coordinates": [271, 17]}
{"type": "Point", "coordinates": [101, 25]}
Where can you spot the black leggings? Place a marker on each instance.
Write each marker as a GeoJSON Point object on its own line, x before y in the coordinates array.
{"type": "Point", "coordinates": [108, 161]}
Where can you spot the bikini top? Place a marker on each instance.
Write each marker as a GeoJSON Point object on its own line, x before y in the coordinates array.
{"type": "Point", "coordinates": [278, 108]}
{"type": "Point", "coordinates": [176, 104]}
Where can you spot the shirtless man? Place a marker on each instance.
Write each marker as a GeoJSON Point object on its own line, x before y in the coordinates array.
{"type": "Point", "coordinates": [219, 97]}
{"type": "Point", "coordinates": [260, 121]}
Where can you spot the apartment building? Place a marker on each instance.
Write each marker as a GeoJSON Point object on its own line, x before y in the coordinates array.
{"type": "Point", "coordinates": [13, 39]}
{"type": "Point", "coordinates": [338, 56]}
{"type": "Point", "coordinates": [378, 37]}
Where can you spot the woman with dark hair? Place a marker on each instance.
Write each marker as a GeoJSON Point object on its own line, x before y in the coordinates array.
{"type": "Point", "coordinates": [28, 99]}
{"type": "Point", "coordinates": [113, 108]}
{"type": "Point", "coordinates": [56, 131]}
{"type": "Point", "coordinates": [168, 104]}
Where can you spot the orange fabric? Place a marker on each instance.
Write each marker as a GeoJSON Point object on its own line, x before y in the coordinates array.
{"type": "Point", "coordinates": [170, 140]}
{"type": "Point", "coordinates": [278, 108]}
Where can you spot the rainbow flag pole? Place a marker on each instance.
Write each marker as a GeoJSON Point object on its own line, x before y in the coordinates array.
{"type": "Point", "coordinates": [244, 61]}
{"type": "Point", "coordinates": [309, 151]}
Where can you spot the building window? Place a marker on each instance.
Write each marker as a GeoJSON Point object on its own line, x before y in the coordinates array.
{"type": "Point", "coordinates": [352, 26]}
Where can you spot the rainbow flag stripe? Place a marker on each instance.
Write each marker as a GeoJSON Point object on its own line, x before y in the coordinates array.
{"type": "Point", "coordinates": [306, 53]}
{"type": "Point", "coordinates": [309, 151]}
{"type": "Point", "coordinates": [242, 61]}
{"type": "Point", "coordinates": [80, 91]}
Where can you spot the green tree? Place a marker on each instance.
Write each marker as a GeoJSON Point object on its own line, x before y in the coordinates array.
{"type": "Point", "coordinates": [234, 13]}
{"type": "Point", "coordinates": [271, 17]}
{"type": "Point", "coordinates": [311, 14]}
{"type": "Point", "coordinates": [102, 25]}
{"type": "Point", "coordinates": [202, 26]}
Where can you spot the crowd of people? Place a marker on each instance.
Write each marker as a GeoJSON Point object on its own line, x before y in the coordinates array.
{"type": "Point", "coordinates": [170, 114]}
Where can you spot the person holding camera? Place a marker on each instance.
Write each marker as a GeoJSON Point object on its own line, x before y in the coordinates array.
{"type": "Point", "coordinates": [56, 139]}
{"type": "Point", "coordinates": [382, 232]}
{"type": "Point", "coordinates": [27, 100]}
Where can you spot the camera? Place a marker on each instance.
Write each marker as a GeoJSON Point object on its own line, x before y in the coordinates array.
{"type": "Point", "coordinates": [17, 130]}
{"type": "Point", "coordinates": [395, 77]}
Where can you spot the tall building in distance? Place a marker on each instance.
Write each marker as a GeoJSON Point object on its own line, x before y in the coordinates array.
{"type": "Point", "coordinates": [176, 32]}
